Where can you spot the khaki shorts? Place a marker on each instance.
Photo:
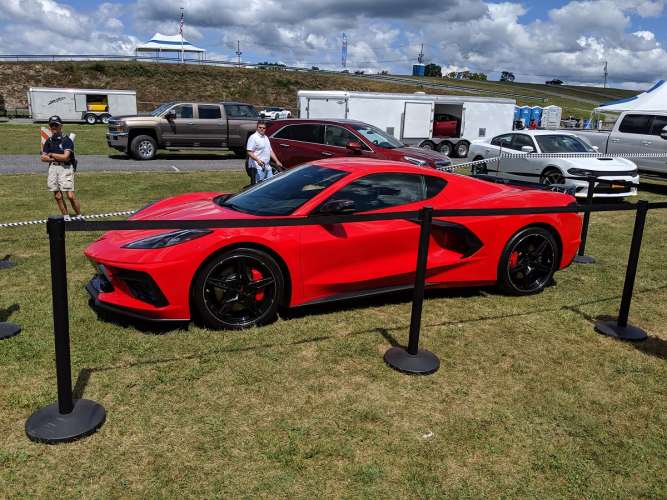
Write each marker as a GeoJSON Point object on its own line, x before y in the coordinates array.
{"type": "Point", "coordinates": [60, 178]}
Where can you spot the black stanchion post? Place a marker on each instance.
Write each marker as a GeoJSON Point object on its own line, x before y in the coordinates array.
{"type": "Point", "coordinates": [68, 419]}
{"type": "Point", "coordinates": [581, 257]}
{"type": "Point", "coordinates": [413, 359]}
{"type": "Point", "coordinates": [8, 330]}
{"type": "Point", "coordinates": [620, 329]}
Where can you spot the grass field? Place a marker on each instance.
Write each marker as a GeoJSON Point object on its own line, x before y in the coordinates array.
{"type": "Point", "coordinates": [529, 401]}
{"type": "Point", "coordinates": [21, 139]}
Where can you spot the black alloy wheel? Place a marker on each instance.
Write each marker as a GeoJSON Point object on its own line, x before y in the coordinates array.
{"type": "Point", "coordinates": [552, 176]}
{"type": "Point", "coordinates": [480, 168]}
{"type": "Point", "coordinates": [239, 289]}
{"type": "Point", "coordinates": [528, 262]}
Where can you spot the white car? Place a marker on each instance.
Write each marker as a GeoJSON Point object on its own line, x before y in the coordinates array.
{"type": "Point", "coordinates": [275, 113]}
{"type": "Point", "coordinates": [531, 167]}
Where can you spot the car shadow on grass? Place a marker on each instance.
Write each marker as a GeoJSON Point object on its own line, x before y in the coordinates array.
{"type": "Point", "coordinates": [185, 156]}
{"type": "Point", "coordinates": [653, 187]}
{"type": "Point", "coordinates": [147, 327]}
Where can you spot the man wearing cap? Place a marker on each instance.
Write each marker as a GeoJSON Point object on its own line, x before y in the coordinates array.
{"type": "Point", "coordinates": [58, 151]}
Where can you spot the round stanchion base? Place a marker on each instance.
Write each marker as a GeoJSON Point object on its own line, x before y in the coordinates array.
{"type": "Point", "coordinates": [613, 329]}
{"type": "Point", "coordinates": [6, 264]}
{"type": "Point", "coordinates": [48, 425]}
{"type": "Point", "coordinates": [583, 259]}
{"type": "Point", "coordinates": [422, 363]}
{"type": "Point", "coordinates": [8, 330]}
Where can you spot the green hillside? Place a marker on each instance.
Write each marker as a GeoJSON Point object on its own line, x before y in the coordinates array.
{"type": "Point", "coordinates": [156, 83]}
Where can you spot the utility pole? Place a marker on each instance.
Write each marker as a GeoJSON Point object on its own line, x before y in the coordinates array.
{"type": "Point", "coordinates": [238, 52]}
{"type": "Point", "coordinates": [605, 74]}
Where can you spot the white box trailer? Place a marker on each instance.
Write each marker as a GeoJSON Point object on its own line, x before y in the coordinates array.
{"type": "Point", "coordinates": [76, 105]}
{"type": "Point", "coordinates": [410, 117]}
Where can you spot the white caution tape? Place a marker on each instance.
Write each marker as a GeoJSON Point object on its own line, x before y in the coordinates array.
{"type": "Point", "coordinates": [84, 217]}
{"type": "Point", "coordinates": [529, 156]}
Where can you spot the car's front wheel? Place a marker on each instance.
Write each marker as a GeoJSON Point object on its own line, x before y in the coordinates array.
{"type": "Point", "coordinates": [479, 168]}
{"type": "Point", "coordinates": [239, 289]}
{"type": "Point", "coordinates": [552, 176]}
{"type": "Point", "coordinates": [528, 262]}
{"type": "Point", "coordinates": [143, 147]}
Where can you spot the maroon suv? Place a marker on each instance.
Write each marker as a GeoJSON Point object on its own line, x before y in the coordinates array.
{"type": "Point", "coordinates": [298, 141]}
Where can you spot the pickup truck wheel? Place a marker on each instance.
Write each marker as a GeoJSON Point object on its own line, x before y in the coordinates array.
{"type": "Point", "coordinates": [427, 145]}
{"type": "Point", "coordinates": [552, 176]}
{"type": "Point", "coordinates": [105, 119]}
{"type": "Point", "coordinates": [445, 147]}
{"type": "Point", "coordinates": [462, 149]}
{"type": "Point", "coordinates": [143, 147]}
{"type": "Point", "coordinates": [90, 119]}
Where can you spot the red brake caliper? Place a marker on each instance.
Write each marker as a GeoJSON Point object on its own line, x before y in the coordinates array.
{"type": "Point", "coordinates": [514, 259]}
{"type": "Point", "coordinates": [256, 275]}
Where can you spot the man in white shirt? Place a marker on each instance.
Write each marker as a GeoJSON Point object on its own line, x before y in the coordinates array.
{"type": "Point", "coordinates": [260, 154]}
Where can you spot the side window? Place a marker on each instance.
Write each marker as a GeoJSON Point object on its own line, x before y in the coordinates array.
{"type": "Point", "coordinates": [377, 191]}
{"type": "Point", "coordinates": [635, 124]}
{"type": "Point", "coordinates": [248, 111]}
{"type": "Point", "coordinates": [338, 136]}
{"type": "Point", "coordinates": [304, 132]}
{"type": "Point", "coordinates": [433, 185]}
{"type": "Point", "coordinates": [659, 122]}
{"type": "Point", "coordinates": [502, 140]}
{"type": "Point", "coordinates": [521, 140]}
{"type": "Point", "coordinates": [208, 112]}
{"type": "Point", "coordinates": [183, 111]}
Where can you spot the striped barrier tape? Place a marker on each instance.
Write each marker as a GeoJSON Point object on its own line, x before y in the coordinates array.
{"type": "Point", "coordinates": [82, 217]}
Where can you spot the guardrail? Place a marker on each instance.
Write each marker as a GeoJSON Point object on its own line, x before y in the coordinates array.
{"type": "Point", "coordinates": [69, 419]}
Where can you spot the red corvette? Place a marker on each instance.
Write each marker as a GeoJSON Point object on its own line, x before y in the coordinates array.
{"type": "Point", "coordinates": [237, 278]}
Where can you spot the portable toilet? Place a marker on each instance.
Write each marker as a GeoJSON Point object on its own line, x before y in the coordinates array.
{"type": "Point", "coordinates": [525, 115]}
{"type": "Point", "coordinates": [418, 70]}
{"type": "Point", "coordinates": [536, 114]}
{"type": "Point", "coordinates": [517, 113]}
{"type": "Point", "coordinates": [551, 116]}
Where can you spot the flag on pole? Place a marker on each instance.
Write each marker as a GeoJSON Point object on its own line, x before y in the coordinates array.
{"type": "Point", "coordinates": [180, 24]}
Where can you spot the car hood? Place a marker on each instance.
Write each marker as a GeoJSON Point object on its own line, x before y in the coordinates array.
{"type": "Point", "coordinates": [135, 118]}
{"type": "Point", "coordinates": [604, 164]}
{"type": "Point", "coordinates": [422, 154]}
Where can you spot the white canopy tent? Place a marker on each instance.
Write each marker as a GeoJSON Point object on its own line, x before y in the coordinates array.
{"type": "Point", "coordinates": [160, 44]}
{"type": "Point", "coordinates": [654, 99]}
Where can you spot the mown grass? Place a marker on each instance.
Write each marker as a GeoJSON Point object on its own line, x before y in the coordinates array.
{"type": "Point", "coordinates": [529, 401]}
{"type": "Point", "coordinates": [22, 139]}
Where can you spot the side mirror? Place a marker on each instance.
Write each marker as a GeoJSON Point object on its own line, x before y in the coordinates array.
{"type": "Point", "coordinates": [596, 149]}
{"type": "Point", "coordinates": [527, 149]}
{"type": "Point", "coordinates": [171, 115]}
{"type": "Point", "coordinates": [663, 132]}
{"type": "Point", "coordinates": [333, 207]}
{"type": "Point", "coordinates": [354, 146]}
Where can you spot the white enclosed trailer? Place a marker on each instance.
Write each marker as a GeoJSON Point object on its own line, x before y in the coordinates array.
{"type": "Point", "coordinates": [76, 105]}
{"type": "Point", "coordinates": [411, 117]}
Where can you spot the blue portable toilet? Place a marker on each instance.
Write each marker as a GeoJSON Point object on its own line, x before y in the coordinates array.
{"type": "Point", "coordinates": [525, 115]}
{"type": "Point", "coordinates": [536, 114]}
{"type": "Point", "coordinates": [418, 70]}
{"type": "Point", "coordinates": [517, 113]}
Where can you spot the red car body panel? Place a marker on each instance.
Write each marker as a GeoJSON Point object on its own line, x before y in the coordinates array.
{"type": "Point", "coordinates": [327, 261]}
{"type": "Point", "coordinates": [292, 153]}
{"type": "Point", "coordinates": [445, 128]}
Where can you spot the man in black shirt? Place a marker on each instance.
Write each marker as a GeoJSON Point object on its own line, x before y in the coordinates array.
{"type": "Point", "coordinates": [58, 151]}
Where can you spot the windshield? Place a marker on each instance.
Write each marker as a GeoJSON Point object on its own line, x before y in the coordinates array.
{"type": "Point", "coordinates": [161, 109]}
{"type": "Point", "coordinates": [284, 193]}
{"type": "Point", "coordinates": [377, 136]}
{"type": "Point", "coordinates": [562, 144]}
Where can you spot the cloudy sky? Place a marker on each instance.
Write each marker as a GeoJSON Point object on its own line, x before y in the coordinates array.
{"type": "Point", "coordinates": [537, 40]}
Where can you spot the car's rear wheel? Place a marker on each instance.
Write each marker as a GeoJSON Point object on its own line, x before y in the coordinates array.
{"type": "Point", "coordinates": [480, 168]}
{"type": "Point", "coordinates": [105, 119]}
{"type": "Point", "coordinates": [462, 148]}
{"type": "Point", "coordinates": [143, 147]}
{"type": "Point", "coordinates": [552, 176]}
{"type": "Point", "coordinates": [239, 289]}
{"type": "Point", "coordinates": [528, 262]}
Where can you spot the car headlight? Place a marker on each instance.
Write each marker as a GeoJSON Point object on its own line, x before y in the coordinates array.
{"type": "Point", "coordinates": [581, 172]}
{"type": "Point", "coordinates": [168, 239]}
{"type": "Point", "coordinates": [415, 161]}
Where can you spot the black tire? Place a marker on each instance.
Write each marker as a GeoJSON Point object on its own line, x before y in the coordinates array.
{"type": "Point", "coordinates": [143, 147]}
{"type": "Point", "coordinates": [445, 147]}
{"type": "Point", "coordinates": [462, 149]}
{"type": "Point", "coordinates": [90, 119]}
{"type": "Point", "coordinates": [528, 262]}
{"type": "Point", "coordinates": [105, 119]}
{"type": "Point", "coordinates": [427, 145]}
{"type": "Point", "coordinates": [552, 176]}
{"type": "Point", "coordinates": [480, 168]}
{"type": "Point", "coordinates": [239, 152]}
{"type": "Point", "coordinates": [239, 289]}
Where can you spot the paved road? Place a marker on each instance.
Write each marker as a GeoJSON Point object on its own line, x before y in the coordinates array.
{"type": "Point", "coordinates": [12, 164]}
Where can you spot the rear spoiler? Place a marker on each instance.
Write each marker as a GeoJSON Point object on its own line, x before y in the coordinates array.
{"type": "Point", "coordinates": [559, 188]}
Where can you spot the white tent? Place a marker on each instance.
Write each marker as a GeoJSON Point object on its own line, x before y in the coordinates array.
{"type": "Point", "coordinates": [654, 99]}
{"type": "Point", "coordinates": [160, 44]}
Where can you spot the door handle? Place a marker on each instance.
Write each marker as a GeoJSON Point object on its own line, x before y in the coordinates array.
{"type": "Point", "coordinates": [284, 145]}
{"type": "Point", "coordinates": [326, 153]}
{"type": "Point", "coordinates": [615, 140]}
{"type": "Point", "coordinates": [646, 143]}
{"type": "Point", "coordinates": [189, 123]}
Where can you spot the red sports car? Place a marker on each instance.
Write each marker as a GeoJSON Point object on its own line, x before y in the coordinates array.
{"type": "Point", "coordinates": [237, 278]}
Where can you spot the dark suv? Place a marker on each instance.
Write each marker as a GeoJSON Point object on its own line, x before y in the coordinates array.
{"type": "Point", "coordinates": [297, 141]}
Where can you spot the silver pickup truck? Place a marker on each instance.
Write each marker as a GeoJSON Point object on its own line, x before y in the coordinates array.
{"type": "Point", "coordinates": [634, 132]}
